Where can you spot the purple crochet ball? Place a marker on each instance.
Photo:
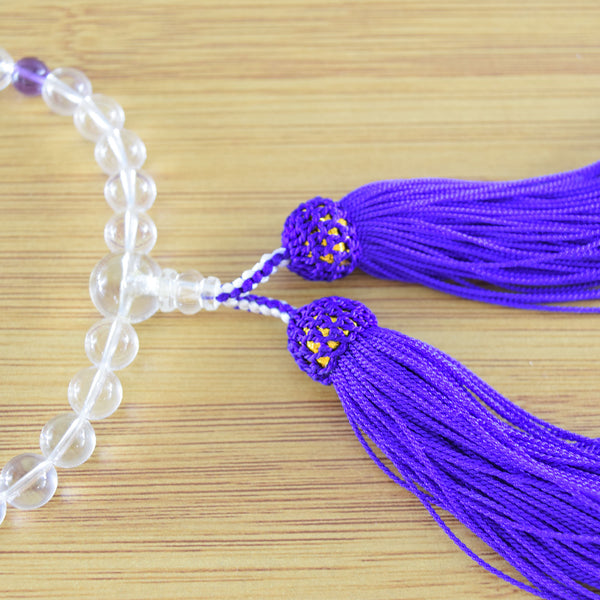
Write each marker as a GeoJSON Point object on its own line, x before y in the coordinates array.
{"type": "Point", "coordinates": [321, 242]}
{"type": "Point", "coordinates": [320, 332]}
{"type": "Point", "coordinates": [29, 76]}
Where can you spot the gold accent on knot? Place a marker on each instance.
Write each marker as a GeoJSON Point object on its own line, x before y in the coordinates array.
{"type": "Point", "coordinates": [313, 346]}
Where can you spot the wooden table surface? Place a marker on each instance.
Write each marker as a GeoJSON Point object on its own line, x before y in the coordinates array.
{"type": "Point", "coordinates": [227, 473]}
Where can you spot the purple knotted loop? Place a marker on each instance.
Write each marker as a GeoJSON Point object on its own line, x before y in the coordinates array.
{"type": "Point", "coordinates": [321, 242]}
{"type": "Point", "coordinates": [320, 332]}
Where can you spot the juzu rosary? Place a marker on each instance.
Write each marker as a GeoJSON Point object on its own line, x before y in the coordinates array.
{"type": "Point", "coordinates": [530, 490]}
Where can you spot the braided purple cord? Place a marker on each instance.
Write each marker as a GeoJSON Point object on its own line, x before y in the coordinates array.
{"type": "Point", "coordinates": [272, 303]}
{"type": "Point", "coordinates": [530, 490]}
{"type": "Point", "coordinates": [249, 284]}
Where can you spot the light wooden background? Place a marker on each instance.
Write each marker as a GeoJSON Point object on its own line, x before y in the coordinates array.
{"type": "Point", "coordinates": [227, 473]}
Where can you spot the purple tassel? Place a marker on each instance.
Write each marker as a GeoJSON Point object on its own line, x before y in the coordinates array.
{"type": "Point", "coordinates": [530, 490]}
{"type": "Point", "coordinates": [533, 243]}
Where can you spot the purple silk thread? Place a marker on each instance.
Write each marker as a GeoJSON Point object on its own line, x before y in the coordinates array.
{"type": "Point", "coordinates": [531, 491]}
{"type": "Point", "coordinates": [533, 243]}
{"type": "Point", "coordinates": [273, 303]}
{"type": "Point", "coordinates": [249, 284]}
{"type": "Point", "coordinates": [528, 489]}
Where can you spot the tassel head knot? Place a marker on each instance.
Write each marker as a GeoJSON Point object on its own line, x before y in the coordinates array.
{"type": "Point", "coordinates": [320, 332]}
{"type": "Point", "coordinates": [322, 243]}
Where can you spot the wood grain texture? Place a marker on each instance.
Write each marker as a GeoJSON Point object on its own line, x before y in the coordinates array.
{"type": "Point", "coordinates": [228, 474]}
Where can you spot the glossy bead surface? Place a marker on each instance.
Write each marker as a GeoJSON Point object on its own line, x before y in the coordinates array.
{"type": "Point", "coordinates": [78, 444]}
{"type": "Point", "coordinates": [2, 510]}
{"type": "Point", "coordinates": [167, 290]}
{"type": "Point", "coordinates": [96, 115]}
{"type": "Point", "coordinates": [112, 343]}
{"type": "Point", "coordinates": [188, 292]}
{"type": "Point", "coordinates": [103, 388]}
{"type": "Point", "coordinates": [137, 227]}
{"type": "Point", "coordinates": [34, 493]}
{"type": "Point", "coordinates": [105, 286]}
{"type": "Point", "coordinates": [7, 65]}
{"type": "Point", "coordinates": [29, 75]}
{"type": "Point", "coordinates": [119, 149]}
{"type": "Point", "coordinates": [130, 188]}
{"type": "Point", "coordinates": [64, 89]}
{"type": "Point", "coordinates": [211, 288]}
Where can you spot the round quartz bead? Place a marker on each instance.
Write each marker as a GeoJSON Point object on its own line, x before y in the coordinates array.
{"type": "Point", "coordinates": [29, 75]}
{"type": "Point", "coordinates": [140, 299]}
{"type": "Point", "coordinates": [188, 292]}
{"type": "Point", "coordinates": [96, 115]}
{"type": "Point", "coordinates": [7, 66]}
{"type": "Point", "coordinates": [112, 343]}
{"type": "Point", "coordinates": [130, 189]}
{"type": "Point", "coordinates": [103, 388]}
{"type": "Point", "coordinates": [119, 149]}
{"type": "Point", "coordinates": [38, 490]}
{"type": "Point", "coordinates": [76, 448]}
{"type": "Point", "coordinates": [167, 287]}
{"type": "Point", "coordinates": [138, 227]}
{"type": "Point", "coordinates": [2, 510]}
{"type": "Point", "coordinates": [64, 90]}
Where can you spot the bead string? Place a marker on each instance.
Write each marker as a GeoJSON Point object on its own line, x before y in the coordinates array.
{"type": "Point", "coordinates": [126, 286]}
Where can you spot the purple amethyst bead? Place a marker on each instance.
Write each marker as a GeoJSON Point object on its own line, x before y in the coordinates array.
{"type": "Point", "coordinates": [29, 76]}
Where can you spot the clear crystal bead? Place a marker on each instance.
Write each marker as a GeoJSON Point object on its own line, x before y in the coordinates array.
{"type": "Point", "coordinates": [96, 115]}
{"type": "Point", "coordinates": [67, 440]}
{"type": "Point", "coordinates": [112, 343]}
{"type": "Point", "coordinates": [119, 149]}
{"type": "Point", "coordinates": [211, 288]}
{"type": "Point", "coordinates": [137, 227]}
{"type": "Point", "coordinates": [188, 292]}
{"type": "Point", "coordinates": [35, 480]}
{"type": "Point", "coordinates": [64, 89]}
{"type": "Point", "coordinates": [130, 188]}
{"type": "Point", "coordinates": [7, 65]}
{"type": "Point", "coordinates": [138, 300]}
{"type": "Point", "coordinates": [167, 290]}
{"type": "Point", "coordinates": [95, 392]}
